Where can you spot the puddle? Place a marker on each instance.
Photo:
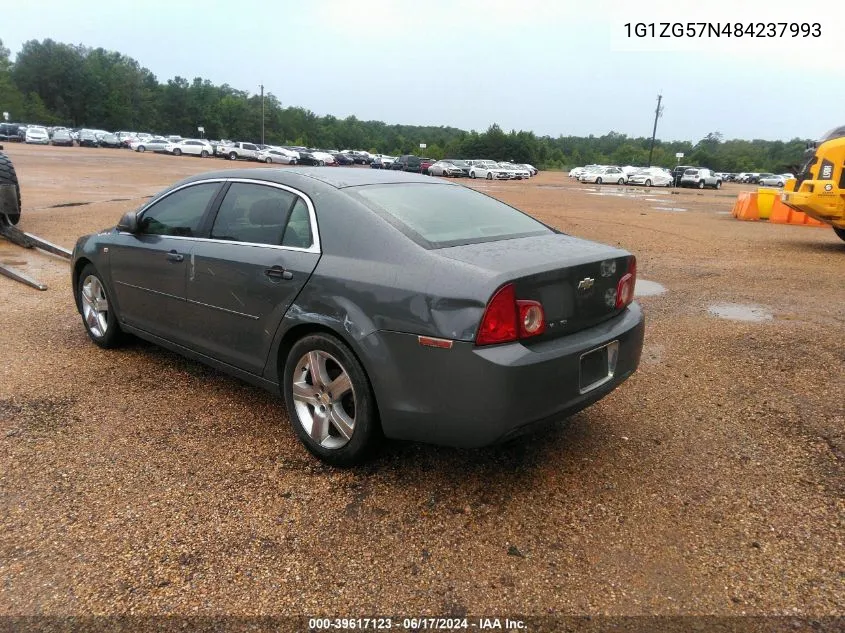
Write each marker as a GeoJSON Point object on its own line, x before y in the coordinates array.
{"type": "Point", "coordinates": [739, 312]}
{"type": "Point", "coordinates": [672, 209]}
{"type": "Point", "coordinates": [646, 288]}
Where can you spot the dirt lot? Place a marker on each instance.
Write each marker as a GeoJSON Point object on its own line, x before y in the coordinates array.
{"type": "Point", "coordinates": [133, 481]}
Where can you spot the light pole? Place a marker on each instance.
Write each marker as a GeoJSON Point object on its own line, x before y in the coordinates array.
{"type": "Point", "coordinates": [262, 114]}
{"type": "Point", "coordinates": [657, 114]}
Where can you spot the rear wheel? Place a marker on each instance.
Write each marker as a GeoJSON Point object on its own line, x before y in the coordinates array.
{"type": "Point", "coordinates": [472, 174]}
{"type": "Point", "coordinates": [621, 181]}
{"type": "Point", "coordinates": [489, 176]}
{"type": "Point", "coordinates": [701, 184]}
{"type": "Point", "coordinates": [203, 154]}
{"type": "Point", "coordinates": [9, 177]}
{"type": "Point", "coordinates": [233, 156]}
{"type": "Point", "coordinates": [321, 163]}
{"type": "Point", "coordinates": [598, 181]}
{"type": "Point", "coordinates": [330, 402]}
{"type": "Point", "coordinates": [648, 183]}
{"type": "Point", "coordinates": [268, 160]}
{"type": "Point", "coordinates": [839, 232]}
{"type": "Point", "coordinates": [718, 184]}
{"type": "Point", "coordinates": [96, 307]}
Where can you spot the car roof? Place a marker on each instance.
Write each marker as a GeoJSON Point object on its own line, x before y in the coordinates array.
{"type": "Point", "coordinates": [300, 177]}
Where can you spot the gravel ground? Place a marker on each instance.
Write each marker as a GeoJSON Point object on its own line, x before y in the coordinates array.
{"type": "Point", "coordinates": [136, 482]}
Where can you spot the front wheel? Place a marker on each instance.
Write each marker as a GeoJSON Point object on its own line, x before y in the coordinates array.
{"type": "Point", "coordinates": [701, 184]}
{"type": "Point", "coordinates": [839, 232]}
{"type": "Point", "coordinates": [472, 175]}
{"type": "Point", "coordinates": [177, 152]}
{"type": "Point", "coordinates": [648, 183]}
{"type": "Point", "coordinates": [98, 316]}
{"type": "Point", "coordinates": [203, 154]}
{"type": "Point", "coordinates": [321, 163]}
{"type": "Point", "coordinates": [621, 181]}
{"type": "Point", "coordinates": [330, 401]}
{"type": "Point", "coordinates": [489, 176]}
{"type": "Point", "coordinates": [142, 149]}
{"type": "Point", "coordinates": [233, 156]}
{"type": "Point", "coordinates": [268, 160]}
{"type": "Point", "coordinates": [598, 181]}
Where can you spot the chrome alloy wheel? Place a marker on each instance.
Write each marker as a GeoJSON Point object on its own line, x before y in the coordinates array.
{"type": "Point", "coordinates": [324, 399]}
{"type": "Point", "coordinates": [95, 306]}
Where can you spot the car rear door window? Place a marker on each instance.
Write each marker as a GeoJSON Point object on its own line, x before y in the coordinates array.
{"type": "Point", "coordinates": [180, 213]}
{"type": "Point", "coordinates": [298, 231]}
{"type": "Point", "coordinates": [256, 214]}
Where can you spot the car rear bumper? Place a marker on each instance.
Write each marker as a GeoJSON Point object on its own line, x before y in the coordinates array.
{"type": "Point", "coordinates": [471, 396]}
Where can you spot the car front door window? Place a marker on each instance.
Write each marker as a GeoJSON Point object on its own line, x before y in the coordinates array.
{"type": "Point", "coordinates": [180, 213]}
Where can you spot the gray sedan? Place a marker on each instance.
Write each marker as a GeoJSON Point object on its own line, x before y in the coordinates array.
{"type": "Point", "coordinates": [375, 302]}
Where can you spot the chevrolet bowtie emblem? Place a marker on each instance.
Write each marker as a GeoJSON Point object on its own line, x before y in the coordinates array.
{"type": "Point", "coordinates": [586, 284]}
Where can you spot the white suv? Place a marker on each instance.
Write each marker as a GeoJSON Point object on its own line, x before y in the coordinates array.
{"type": "Point", "coordinates": [701, 178]}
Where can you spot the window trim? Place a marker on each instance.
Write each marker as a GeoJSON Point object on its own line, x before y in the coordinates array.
{"type": "Point", "coordinates": [215, 206]}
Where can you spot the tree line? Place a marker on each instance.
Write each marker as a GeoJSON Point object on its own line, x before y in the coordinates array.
{"type": "Point", "coordinates": [53, 83]}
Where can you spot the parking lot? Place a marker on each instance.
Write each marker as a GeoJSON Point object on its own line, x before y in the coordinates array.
{"type": "Point", "coordinates": [711, 482]}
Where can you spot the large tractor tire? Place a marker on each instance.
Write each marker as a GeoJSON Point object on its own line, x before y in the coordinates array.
{"type": "Point", "coordinates": [9, 177]}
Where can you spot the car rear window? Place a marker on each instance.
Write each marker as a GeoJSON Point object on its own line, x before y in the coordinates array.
{"type": "Point", "coordinates": [437, 216]}
{"type": "Point", "coordinates": [690, 172]}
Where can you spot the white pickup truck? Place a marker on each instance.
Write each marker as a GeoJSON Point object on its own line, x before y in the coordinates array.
{"type": "Point", "coordinates": [235, 151]}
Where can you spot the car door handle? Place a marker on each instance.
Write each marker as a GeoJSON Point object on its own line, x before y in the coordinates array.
{"type": "Point", "coordinates": [277, 272]}
{"type": "Point", "coordinates": [173, 256]}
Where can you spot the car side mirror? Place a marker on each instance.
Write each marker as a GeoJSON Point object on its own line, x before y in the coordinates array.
{"type": "Point", "coordinates": [128, 223]}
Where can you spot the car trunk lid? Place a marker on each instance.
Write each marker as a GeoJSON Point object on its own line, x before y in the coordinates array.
{"type": "Point", "coordinates": [575, 280]}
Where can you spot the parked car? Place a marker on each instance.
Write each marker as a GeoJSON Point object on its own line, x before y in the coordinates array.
{"type": "Point", "coordinates": [382, 161]}
{"type": "Point", "coordinates": [343, 159]}
{"type": "Point", "coordinates": [445, 168]}
{"type": "Point", "coordinates": [276, 156]}
{"type": "Point", "coordinates": [110, 140]}
{"type": "Point", "coordinates": [517, 171]}
{"type": "Point", "coordinates": [239, 151]}
{"type": "Point", "coordinates": [604, 175]}
{"type": "Point", "coordinates": [490, 171]}
{"type": "Point", "coordinates": [323, 157]}
{"type": "Point", "coordinates": [87, 138]}
{"type": "Point", "coordinates": [678, 173]}
{"type": "Point", "coordinates": [534, 171]}
{"type": "Point", "coordinates": [150, 145]}
{"type": "Point", "coordinates": [37, 135]}
{"type": "Point", "coordinates": [307, 158]}
{"type": "Point", "coordinates": [62, 137]}
{"type": "Point", "coordinates": [460, 164]}
{"type": "Point", "coordinates": [313, 313]}
{"type": "Point", "coordinates": [774, 180]}
{"type": "Point", "coordinates": [700, 178]}
{"type": "Point", "coordinates": [190, 146]}
{"type": "Point", "coordinates": [651, 176]}
{"type": "Point", "coordinates": [10, 132]}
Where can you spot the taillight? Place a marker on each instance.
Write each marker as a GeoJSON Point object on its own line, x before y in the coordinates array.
{"type": "Point", "coordinates": [625, 287]}
{"type": "Point", "coordinates": [506, 319]}
{"type": "Point", "coordinates": [532, 320]}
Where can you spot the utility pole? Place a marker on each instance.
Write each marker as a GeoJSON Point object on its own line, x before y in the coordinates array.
{"type": "Point", "coordinates": [658, 111]}
{"type": "Point", "coordinates": [262, 114]}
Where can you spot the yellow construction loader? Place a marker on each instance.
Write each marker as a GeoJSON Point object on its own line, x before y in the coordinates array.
{"type": "Point", "coordinates": [819, 190]}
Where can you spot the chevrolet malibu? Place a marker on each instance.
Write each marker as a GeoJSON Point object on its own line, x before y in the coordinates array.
{"type": "Point", "coordinates": [377, 303]}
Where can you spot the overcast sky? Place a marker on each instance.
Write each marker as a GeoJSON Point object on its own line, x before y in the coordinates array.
{"type": "Point", "coordinates": [553, 67]}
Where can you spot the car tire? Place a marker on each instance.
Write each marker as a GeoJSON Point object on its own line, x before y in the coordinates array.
{"type": "Point", "coordinates": [321, 163]}
{"type": "Point", "coordinates": [177, 152]}
{"type": "Point", "coordinates": [489, 176]}
{"type": "Point", "coordinates": [268, 160]}
{"type": "Point", "coordinates": [203, 154]}
{"type": "Point", "coordinates": [839, 232]}
{"type": "Point", "coordinates": [472, 175]}
{"type": "Point", "coordinates": [621, 181]}
{"type": "Point", "coordinates": [701, 184]}
{"type": "Point", "coordinates": [9, 177]}
{"type": "Point", "coordinates": [648, 183]}
{"type": "Point", "coordinates": [142, 149]}
{"type": "Point", "coordinates": [233, 156]}
{"type": "Point", "coordinates": [718, 184]}
{"type": "Point", "coordinates": [598, 181]}
{"type": "Point", "coordinates": [100, 322]}
{"type": "Point", "coordinates": [340, 429]}
{"type": "Point", "coordinates": [293, 161]}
